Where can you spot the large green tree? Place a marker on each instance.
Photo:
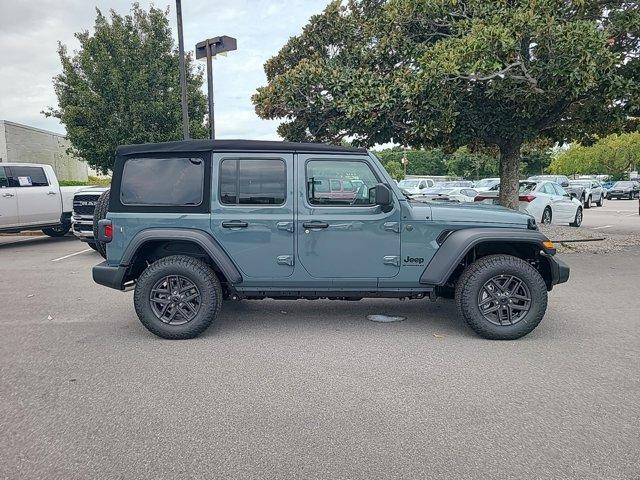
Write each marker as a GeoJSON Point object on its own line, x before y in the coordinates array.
{"type": "Point", "coordinates": [123, 86]}
{"type": "Point", "coordinates": [613, 155]}
{"type": "Point", "coordinates": [451, 73]}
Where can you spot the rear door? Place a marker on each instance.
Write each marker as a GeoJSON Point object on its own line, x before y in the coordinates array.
{"type": "Point", "coordinates": [8, 202]}
{"type": "Point", "coordinates": [564, 203]}
{"type": "Point", "coordinates": [38, 196]}
{"type": "Point", "coordinates": [252, 211]}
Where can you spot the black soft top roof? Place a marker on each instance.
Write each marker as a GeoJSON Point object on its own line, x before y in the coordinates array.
{"type": "Point", "coordinates": [232, 146]}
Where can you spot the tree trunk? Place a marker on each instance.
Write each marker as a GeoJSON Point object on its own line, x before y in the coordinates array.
{"type": "Point", "coordinates": [509, 174]}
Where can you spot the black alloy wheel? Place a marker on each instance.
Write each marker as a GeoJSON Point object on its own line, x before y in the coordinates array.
{"type": "Point", "coordinates": [504, 300]}
{"type": "Point", "coordinates": [175, 300]}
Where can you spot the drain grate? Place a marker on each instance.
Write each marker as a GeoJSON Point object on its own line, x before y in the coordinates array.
{"type": "Point", "coordinates": [385, 318]}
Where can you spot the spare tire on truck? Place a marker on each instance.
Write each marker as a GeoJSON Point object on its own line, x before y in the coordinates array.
{"type": "Point", "coordinates": [102, 206]}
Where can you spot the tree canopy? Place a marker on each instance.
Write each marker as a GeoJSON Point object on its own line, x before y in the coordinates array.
{"type": "Point", "coordinates": [451, 73]}
{"type": "Point", "coordinates": [123, 86]}
{"type": "Point", "coordinates": [612, 155]}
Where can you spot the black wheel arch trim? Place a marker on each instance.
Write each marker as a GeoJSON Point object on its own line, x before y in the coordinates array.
{"type": "Point", "coordinates": [459, 243]}
{"type": "Point", "coordinates": [204, 240]}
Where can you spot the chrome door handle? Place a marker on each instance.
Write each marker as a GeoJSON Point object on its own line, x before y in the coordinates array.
{"type": "Point", "coordinates": [51, 193]}
{"type": "Point", "coordinates": [7, 194]}
{"type": "Point", "coordinates": [235, 224]}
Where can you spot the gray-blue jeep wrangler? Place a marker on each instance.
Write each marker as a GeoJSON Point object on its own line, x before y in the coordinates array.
{"type": "Point", "coordinates": [193, 223]}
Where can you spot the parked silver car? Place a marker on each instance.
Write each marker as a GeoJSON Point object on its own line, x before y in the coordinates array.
{"type": "Point", "coordinates": [592, 192]}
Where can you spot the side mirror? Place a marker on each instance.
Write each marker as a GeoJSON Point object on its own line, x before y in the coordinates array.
{"type": "Point", "coordinates": [380, 195]}
{"type": "Point", "coordinates": [422, 186]}
{"type": "Point", "coordinates": [564, 184]}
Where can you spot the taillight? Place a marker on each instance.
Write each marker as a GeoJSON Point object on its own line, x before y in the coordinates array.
{"type": "Point", "coordinates": [527, 198]}
{"type": "Point", "coordinates": [105, 230]}
{"type": "Point", "coordinates": [108, 231]}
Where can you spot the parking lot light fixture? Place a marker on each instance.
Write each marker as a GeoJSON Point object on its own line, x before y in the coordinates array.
{"type": "Point", "coordinates": [208, 49]}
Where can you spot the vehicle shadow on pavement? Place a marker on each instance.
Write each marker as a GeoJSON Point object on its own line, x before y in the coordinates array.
{"type": "Point", "coordinates": [22, 242]}
{"type": "Point", "coordinates": [421, 316]}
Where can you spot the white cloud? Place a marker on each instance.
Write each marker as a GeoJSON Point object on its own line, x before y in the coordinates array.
{"type": "Point", "coordinates": [29, 32]}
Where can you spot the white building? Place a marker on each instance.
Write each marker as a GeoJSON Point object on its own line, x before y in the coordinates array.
{"type": "Point", "coordinates": [21, 143]}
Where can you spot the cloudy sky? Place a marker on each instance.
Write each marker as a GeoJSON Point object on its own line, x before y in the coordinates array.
{"type": "Point", "coordinates": [29, 31]}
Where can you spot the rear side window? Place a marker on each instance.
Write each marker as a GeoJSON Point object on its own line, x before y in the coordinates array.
{"type": "Point", "coordinates": [4, 181]}
{"type": "Point", "coordinates": [162, 182]}
{"type": "Point", "coordinates": [253, 182]}
{"type": "Point", "coordinates": [28, 177]}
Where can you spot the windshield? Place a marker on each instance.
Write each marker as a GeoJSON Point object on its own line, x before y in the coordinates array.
{"type": "Point", "coordinates": [408, 183]}
{"type": "Point", "coordinates": [526, 187]}
{"type": "Point", "coordinates": [487, 182]}
{"type": "Point", "coordinates": [623, 184]}
{"type": "Point", "coordinates": [438, 191]}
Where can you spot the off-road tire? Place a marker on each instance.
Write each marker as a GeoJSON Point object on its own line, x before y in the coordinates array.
{"type": "Point", "coordinates": [57, 231]}
{"type": "Point", "coordinates": [578, 219]}
{"type": "Point", "coordinates": [197, 272]}
{"type": "Point", "coordinates": [93, 246]}
{"type": "Point", "coordinates": [477, 274]}
{"type": "Point", "coordinates": [100, 212]}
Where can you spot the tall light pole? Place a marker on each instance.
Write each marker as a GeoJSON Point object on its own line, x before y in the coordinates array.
{"type": "Point", "coordinates": [208, 49]}
{"type": "Point", "coordinates": [183, 73]}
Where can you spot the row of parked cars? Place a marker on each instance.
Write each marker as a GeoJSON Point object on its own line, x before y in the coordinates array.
{"type": "Point", "coordinates": [548, 198]}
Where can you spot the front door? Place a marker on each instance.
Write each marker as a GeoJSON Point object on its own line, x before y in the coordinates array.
{"type": "Point", "coordinates": [39, 201]}
{"type": "Point", "coordinates": [252, 212]}
{"type": "Point", "coordinates": [8, 202]}
{"type": "Point", "coordinates": [343, 234]}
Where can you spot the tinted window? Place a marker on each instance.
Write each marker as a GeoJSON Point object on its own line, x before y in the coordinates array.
{"type": "Point", "coordinates": [357, 177]}
{"type": "Point", "coordinates": [162, 181]}
{"type": "Point", "coordinates": [559, 190]}
{"type": "Point", "coordinates": [28, 177]}
{"type": "Point", "coordinates": [4, 181]}
{"type": "Point", "coordinates": [253, 182]}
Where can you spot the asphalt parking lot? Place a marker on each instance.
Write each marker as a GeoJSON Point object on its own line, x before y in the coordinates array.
{"type": "Point", "coordinates": [282, 389]}
{"type": "Point", "coordinates": [616, 216]}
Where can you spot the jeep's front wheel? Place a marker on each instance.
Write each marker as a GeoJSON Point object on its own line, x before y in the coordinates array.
{"type": "Point", "coordinates": [177, 297]}
{"type": "Point", "coordinates": [501, 297]}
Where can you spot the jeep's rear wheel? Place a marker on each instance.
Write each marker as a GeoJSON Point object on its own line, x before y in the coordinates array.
{"type": "Point", "coordinates": [501, 297]}
{"type": "Point", "coordinates": [177, 297]}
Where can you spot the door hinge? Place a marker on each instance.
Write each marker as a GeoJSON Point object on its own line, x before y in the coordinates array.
{"type": "Point", "coordinates": [392, 227]}
{"type": "Point", "coordinates": [286, 226]}
{"type": "Point", "coordinates": [285, 260]}
{"type": "Point", "coordinates": [391, 260]}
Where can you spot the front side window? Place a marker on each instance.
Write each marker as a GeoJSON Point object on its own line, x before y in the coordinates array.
{"type": "Point", "coordinates": [162, 182]}
{"type": "Point", "coordinates": [28, 177]}
{"type": "Point", "coordinates": [560, 191]}
{"type": "Point", "coordinates": [356, 178]}
{"type": "Point", "coordinates": [253, 182]}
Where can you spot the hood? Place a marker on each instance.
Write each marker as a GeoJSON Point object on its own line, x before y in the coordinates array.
{"type": "Point", "coordinates": [470, 213]}
{"type": "Point", "coordinates": [93, 189]}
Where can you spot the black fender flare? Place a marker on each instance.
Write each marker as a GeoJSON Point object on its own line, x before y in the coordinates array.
{"type": "Point", "coordinates": [203, 239]}
{"type": "Point", "coordinates": [460, 242]}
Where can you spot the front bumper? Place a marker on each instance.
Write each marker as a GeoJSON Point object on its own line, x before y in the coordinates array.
{"type": "Point", "coordinates": [82, 227]}
{"type": "Point", "coordinates": [109, 276]}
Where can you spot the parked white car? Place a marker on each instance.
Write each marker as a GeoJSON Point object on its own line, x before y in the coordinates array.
{"type": "Point", "coordinates": [486, 184]}
{"type": "Point", "coordinates": [545, 201]}
{"type": "Point", "coordinates": [414, 186]}
{"type": "Point", "coordinates": [32, 199]}
{"type": "Point", "coordinates": [447, 194]}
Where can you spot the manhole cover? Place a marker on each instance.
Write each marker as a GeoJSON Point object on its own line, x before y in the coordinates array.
{"type": "Point", "coordinates": [385, 318]}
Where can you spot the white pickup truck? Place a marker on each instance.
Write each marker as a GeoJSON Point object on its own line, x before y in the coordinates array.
{"type": "Point", "coordinates": [32, 199]}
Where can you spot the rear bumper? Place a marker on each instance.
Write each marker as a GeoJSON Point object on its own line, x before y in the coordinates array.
{"type": "Point", "coordinates": [559, 270]}
{"type": "Point", "coordinates": [109, 276]}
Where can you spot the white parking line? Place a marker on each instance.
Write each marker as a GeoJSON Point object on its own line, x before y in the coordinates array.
{"type": "Point", "coordinates": [603, 226]}
{"type": "Point", "coordinates": [71, 255]}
